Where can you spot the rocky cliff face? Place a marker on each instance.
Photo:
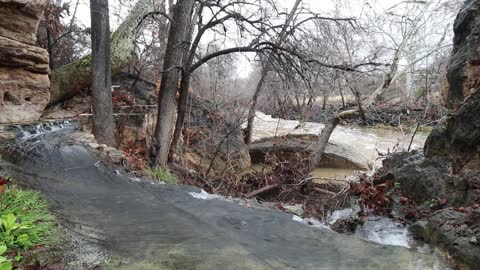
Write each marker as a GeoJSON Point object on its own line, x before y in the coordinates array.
{"type": "Point", "coordinates": [458, 137]}
{"type": "Point", "coordinates": [464, 66]}
{"type": "Point", "coordinates": [24, 83]}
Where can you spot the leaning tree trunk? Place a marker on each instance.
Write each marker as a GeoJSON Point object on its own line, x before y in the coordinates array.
{"type": "Point", "coordinates": [317, 149]}
{"type": "Point", "coordinates": [167, 102]}
{"type": "Point", "coordinates": [69, 80]}
{"type": "Point", "coordinates": [253, 107]}
{"type": "Point", "coordinates": [103, 127]}
{"type": "Point", "coordinates": [389, 78]}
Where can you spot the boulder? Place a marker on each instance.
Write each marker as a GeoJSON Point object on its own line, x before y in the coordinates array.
{"type": "Point", "coordinates": [24, 82]}
{"type": "Point", "coordinates": [336, 155]}
{"type": "Point", "coordinates": [455, 232]}
{"type": "Point", "coordinates": [421, 179]}
{"type": "Point", "coordinates": [23, 95]}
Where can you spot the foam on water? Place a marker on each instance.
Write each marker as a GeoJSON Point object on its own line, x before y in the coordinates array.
{"type": "Point", "coordinates": [377, 229]}
{"type": "Point", "coordinates": [30, 131]}
{"type": "Point", "coordinates": [203, 195]}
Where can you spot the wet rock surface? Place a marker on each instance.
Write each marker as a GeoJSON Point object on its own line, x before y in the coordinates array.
{"type": "Point", "coordinates": [456, 232]}
{"type": "Point", "coordinates": [455, 229]}
{"type": "Point", "coordinates": [151, 226]}
{"type": "Point", "coordinates": [24, 82]}
{"type": "Point", "coordinates": [336, 155]}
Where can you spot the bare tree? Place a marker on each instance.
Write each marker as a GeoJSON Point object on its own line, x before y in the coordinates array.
{"type": "Point", "coordinates": [174, 54]}
{"type": "Point", "coordinates": [103, 126]}
{"type": "Point", "coordinates": [264, 72]}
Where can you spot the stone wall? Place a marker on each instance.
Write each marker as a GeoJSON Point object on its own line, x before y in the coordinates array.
{"type": "Point", "coordinates": [24, 82]}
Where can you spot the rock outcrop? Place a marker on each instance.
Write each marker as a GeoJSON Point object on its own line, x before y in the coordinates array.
{"type": "Point", "coordinates": [458, 136]}
{"type": "Point", "coordinates": [336, 155]}
{"type": "Point", "coordinates": [464, 66]}
{"type": "Point", "coordinates": [24, 82]}
{"type": "Point", "coordinates": [425, 179]}
{"type": "Point", "coordinates": [456, 231]}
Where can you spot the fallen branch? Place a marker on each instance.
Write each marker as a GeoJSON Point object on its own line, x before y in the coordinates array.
{"type": "Point", "coordinates": [261, 190]}
{"type": "Point", "coordinates": [413, 136]}
{"type": "Point", "coordinates": [326, 192]}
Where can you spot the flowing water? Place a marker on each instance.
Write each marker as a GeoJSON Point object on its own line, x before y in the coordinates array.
{"type": "Point", "coordinates": [151, 226]}
{"type": "Point", "coordinates": [367, 140]}
{"type": "Point", "coordinates": [370, 142]}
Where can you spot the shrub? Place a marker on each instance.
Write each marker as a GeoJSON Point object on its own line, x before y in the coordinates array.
{"type": "Point", "coordinates": [25, 223]}
{"type": "Point", "coordinates": [161, 174]}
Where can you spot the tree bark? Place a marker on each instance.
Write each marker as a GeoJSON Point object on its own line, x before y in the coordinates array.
{"type": "Point", "coordinates": [253, 107]}
{"type": "Point", "coordinates": [69, 80]}
{"type": "Point", "coordinates": [173, 62]}
{"type": "Point", "coordinates": [389, 77]}
{"type": "Point", "coordinates": [103, 127]}
{"type": "Point", "coordinates": [185, 82]}
{"type": "Point", "coordinates": [317, 149]}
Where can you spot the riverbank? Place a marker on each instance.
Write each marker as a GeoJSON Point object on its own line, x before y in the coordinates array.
{"type": "Point", "coordinates": [387, 114]}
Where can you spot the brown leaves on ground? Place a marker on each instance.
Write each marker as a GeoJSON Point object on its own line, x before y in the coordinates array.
{"type": "Point", "coordinates": [375, 198]}
{"type": "Point", "coordinates": [136, 155]}
{"type": "Point", "coordinates": [122, 98]}
{"type": "Point", "coordinates": [290, 183]}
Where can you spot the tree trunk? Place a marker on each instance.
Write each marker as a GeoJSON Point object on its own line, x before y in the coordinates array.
{"type": "Point", "coordinates": [265, 70]}
{"type": "Point", "coordinates": [167, 102]}
{"type": "Point", "coordinates": [253, 108]}
{"type": "Point", "coordinates": [103, 127]}
{"type": "Point", "coordinates": [317, 149]}
{"type": "Point", "coordinates": [69, 80]}
{"type": "Point", "coordinates": [386, 82]}
{"type": "Point", "coordinates": [49, 48]}
{"type": "Point", "coordinates": [185, 83]}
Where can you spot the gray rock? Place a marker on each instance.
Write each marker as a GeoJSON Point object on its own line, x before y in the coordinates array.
{"type": "Point", "coordinates": [286, 147]}
{"type": "Point", "coordinates": [421, 179]}
{"type": "Point", "coordinates": [296, 209]}
{"type": "Point", "coordinates": [458, 137]}
{"type": "Point", "coordinates": [453, 232]}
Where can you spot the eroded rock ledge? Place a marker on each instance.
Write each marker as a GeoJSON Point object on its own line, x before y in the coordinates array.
{"type": "Point", "coordinates": [24, 82]}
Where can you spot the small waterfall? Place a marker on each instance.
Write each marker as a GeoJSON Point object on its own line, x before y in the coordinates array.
{"type": "Point", "coordinates": [28, 131]}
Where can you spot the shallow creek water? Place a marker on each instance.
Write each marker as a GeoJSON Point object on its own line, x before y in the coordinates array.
{"type": "Point", "coordinates": [197, 231]}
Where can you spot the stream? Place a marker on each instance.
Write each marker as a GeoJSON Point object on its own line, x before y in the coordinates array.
{"type": "Point", "coordinates": [367, 140]}
{"type": "Point", "coordinates": [139, 224]}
